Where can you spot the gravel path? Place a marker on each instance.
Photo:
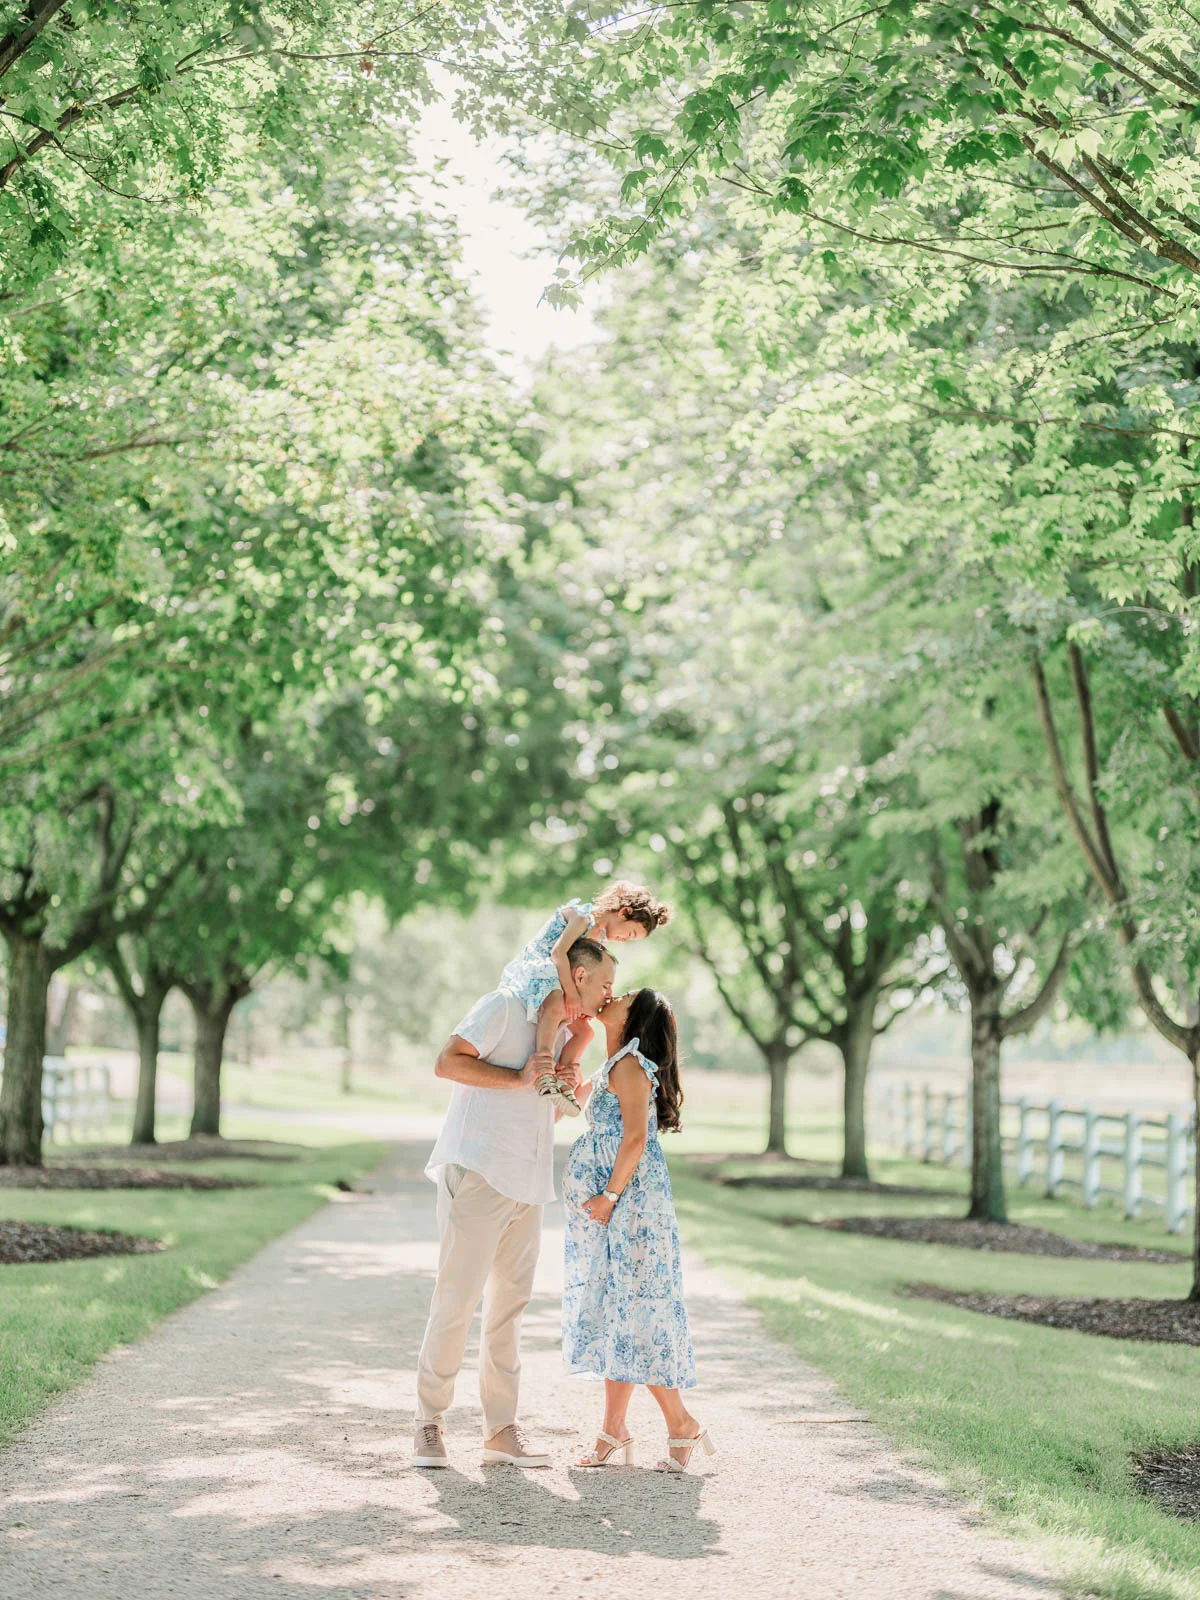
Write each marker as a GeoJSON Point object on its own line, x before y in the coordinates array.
{"type": "Point", "coordinates": [256, 1445]}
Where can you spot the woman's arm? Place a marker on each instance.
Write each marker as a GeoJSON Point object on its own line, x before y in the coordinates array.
{"type": "Point", "coordinates": [628, 1082]}
{"type": "Point", "coordinates": [576, 925]}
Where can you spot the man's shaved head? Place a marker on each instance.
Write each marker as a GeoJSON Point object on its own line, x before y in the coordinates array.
{"type": "Point", "coordinates": [588, 953]}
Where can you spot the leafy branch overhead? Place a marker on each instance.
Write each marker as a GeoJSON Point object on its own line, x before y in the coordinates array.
{"type": "Point", "coordinates": [1043, 140]}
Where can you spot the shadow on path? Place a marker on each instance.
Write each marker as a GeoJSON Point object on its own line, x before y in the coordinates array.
{"type": "Point", "coordinates": [257, 1445]}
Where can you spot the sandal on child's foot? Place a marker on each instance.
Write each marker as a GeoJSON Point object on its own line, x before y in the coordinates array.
{"type": "Point", "coordinates": [559, 1093]}
{"type": "Point", "coordinates": [622, 1448]}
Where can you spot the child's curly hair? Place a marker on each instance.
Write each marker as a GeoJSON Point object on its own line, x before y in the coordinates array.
{"type": "Point", "coordinates": [634, 900]}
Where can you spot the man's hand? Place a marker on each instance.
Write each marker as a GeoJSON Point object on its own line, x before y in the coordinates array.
{"type": "Point", "coordinates": [541, 1061]}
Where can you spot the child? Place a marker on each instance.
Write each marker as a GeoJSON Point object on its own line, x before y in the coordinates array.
{"type": "Point", "coordinates": [541, 977]}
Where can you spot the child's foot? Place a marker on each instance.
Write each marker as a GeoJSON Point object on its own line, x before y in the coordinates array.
{"type": "Point", "coordinates": [560, 1094]}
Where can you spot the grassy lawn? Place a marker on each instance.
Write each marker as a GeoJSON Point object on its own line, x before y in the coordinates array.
{"type": "Point", "coordinates": [1032, 1424]}
{"type": "Point", "coordinates": [58, 1318]}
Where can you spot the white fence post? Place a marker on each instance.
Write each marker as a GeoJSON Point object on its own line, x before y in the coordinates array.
{"type": "Point", "coordinates": [1132, 1194]}
{"type": "Point", "coordinates": [1091, 1157]}
{"type": "Point", "coordinates": [1054, 1151]}
{"type": "Point", "coordinates": [75, 1099]}
{"type": "Point", "coordinates": [1176, 1170]}
{"type": "Point", "coordinates": [1024, 1145]}
{"type": "Point", "coordinates": [948, 1128]}
{"type": "Point", "coordinates": [928, 1125]}
{"type": "Point", "coordinates": [887, 1113]}
{"type": "Point", "coordinates": [934, 1125]}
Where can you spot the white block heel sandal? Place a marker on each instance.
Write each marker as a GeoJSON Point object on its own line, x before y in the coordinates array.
{"type": "Point", "coordinates": [701, 1439]}
{"type": "Point", "coordinates": [616, 1447]}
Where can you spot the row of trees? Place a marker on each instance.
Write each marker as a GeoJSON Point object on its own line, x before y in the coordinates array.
{"type": "Point", "coordinates": [873, 619]}
{"type": "Point", "coordinates": [266, 515]}
{"type": "Point", "coordinates": [887, 473]}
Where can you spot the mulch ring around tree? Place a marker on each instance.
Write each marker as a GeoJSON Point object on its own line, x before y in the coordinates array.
{"type": "Point", "coordinates": [1149, 1321]}
{"type": "Point", "coordinates": [23, 1242]}
{"type": "Point", "coordinates": [1007, 1237]}
{"type": "Point", "coordinates": [64, 1175]}
{"type": "Point", "coordinates": [1171, 1478]}
{"type": "Point", "coordinates": [774, 1171]}
{"type": "Point", "coordinates": [823, 1182]}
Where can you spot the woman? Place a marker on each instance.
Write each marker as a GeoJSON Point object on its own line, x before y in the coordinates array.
{"type": "Point", "coordinates": [624, 1319]}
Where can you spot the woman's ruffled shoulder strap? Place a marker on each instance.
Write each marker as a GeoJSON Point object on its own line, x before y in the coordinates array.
{"type": "Point", "coordinates": [630, 1049]}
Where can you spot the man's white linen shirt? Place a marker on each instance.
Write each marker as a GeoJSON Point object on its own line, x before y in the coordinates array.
{"type": "Point", "coordinates": [505, 1135]}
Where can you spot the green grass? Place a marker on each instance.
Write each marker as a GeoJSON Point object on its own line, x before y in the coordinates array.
{"type": "Point", "coordinates": [1034, 1425]}
{"type": "Point", "coordinates": [58, 1318]}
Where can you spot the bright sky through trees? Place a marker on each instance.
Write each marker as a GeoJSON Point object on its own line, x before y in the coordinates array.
{"type": "Point", "coordinates": [509, 259]}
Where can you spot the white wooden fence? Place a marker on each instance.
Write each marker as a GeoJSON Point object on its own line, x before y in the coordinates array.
{"type": "Point", "coordinates": [1146, 1160]}
{"type": "Point", "coordinates": [76, 1099]}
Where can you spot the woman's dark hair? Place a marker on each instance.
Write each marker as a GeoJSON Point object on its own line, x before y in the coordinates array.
{"type": "Point", "coordinates": [652, 1023]}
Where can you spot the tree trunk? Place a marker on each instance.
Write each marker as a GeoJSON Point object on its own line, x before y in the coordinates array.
{"type": "Point", "coordinates": [779, 1057]}
{"type": "Point", "coordinates": [148, 1019]}
{"type": "Point", "coordinates": [212, 1004]}
{"type": "Point", "coordinates": [855, 1045]}
{"type": "Point", "coordinates": [1194, 1291]}
{"type": "Point", "coordinates": [29, 973]}
{"type": "Point", "coordinates": [987, 1161]}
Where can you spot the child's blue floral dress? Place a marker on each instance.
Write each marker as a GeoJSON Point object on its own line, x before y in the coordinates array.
{"type": "Point", "coordinates": [532, 975]}
{"type": "Point", "coordinates": [623, 1311]}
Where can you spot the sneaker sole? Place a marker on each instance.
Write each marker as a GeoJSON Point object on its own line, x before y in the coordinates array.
{"type": "Point", "coordinates": [500, 1458]}
{"type": "Point", "coordinates": [430, 1461]}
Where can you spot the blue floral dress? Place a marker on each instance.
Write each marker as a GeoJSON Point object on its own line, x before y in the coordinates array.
{"type": "Point", "coordinates": [623, 1311]}
{"type": "Point", "coordinates": [532, 975]}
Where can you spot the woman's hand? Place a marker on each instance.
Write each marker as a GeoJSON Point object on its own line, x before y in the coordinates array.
{"type": "Point", "coordinates": [599, 1209]}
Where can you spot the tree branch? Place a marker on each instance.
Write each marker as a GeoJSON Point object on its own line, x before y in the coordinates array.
{"type": "Point", "coordinates": [1030, 1015]}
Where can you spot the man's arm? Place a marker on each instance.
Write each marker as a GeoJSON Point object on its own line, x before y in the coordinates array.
{"type": "Point", "coordinates": [460, 1062]}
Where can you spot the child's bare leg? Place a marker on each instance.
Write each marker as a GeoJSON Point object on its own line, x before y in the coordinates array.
{"type": "Point", "coordinates": [550, 1020]}
{"type": "Point", "coordinates": [555, 1081]}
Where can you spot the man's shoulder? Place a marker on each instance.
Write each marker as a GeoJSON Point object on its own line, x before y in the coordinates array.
{"type": "Point", "coordinates": [492, 1018]}
{"type": "Point", "coordinates": [495, 1003]}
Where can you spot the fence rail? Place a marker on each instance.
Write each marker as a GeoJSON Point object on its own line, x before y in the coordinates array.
{"type": "Point", "coordinates": [1136, 1160]}
{"type": "Point", "coordinates": [75, 1099]}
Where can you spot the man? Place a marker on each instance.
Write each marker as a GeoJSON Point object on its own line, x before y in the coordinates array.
{"type": "Point", "coordinates": [493, 1166]}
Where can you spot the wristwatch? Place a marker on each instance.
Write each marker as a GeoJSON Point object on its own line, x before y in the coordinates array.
{"type": "Point", "coordinates": [611, 1197]}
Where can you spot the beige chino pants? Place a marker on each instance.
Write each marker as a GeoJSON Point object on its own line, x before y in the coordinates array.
{"type": "Point", "coordinates": [489, 1250]}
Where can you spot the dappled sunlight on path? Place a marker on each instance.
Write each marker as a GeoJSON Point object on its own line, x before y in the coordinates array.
{"type": "Point", "coordinates": [257, 1445]}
